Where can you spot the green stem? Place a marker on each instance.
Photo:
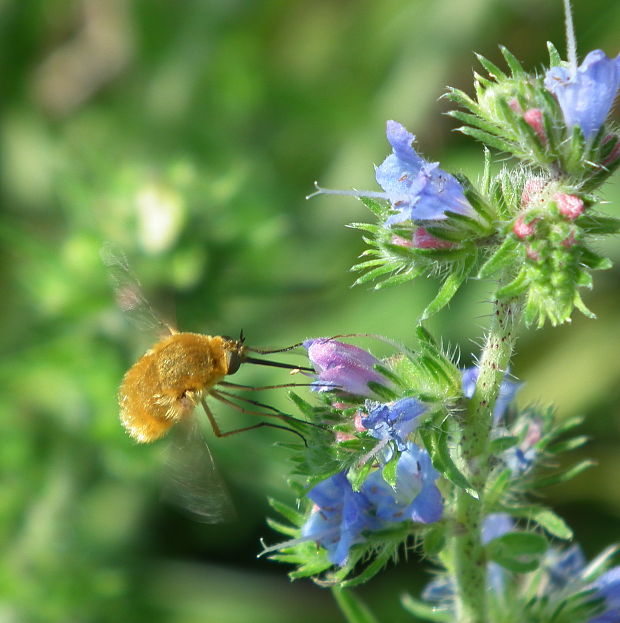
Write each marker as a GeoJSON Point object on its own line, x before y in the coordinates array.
{"type": "Point", "coordinates": [469, 558]}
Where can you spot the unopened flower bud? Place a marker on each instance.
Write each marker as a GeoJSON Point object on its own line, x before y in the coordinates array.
{"type": "Point", "coordinates": [522, 229]}
{"type": "Point", "coordinates": [534, 118]}
{"type": "Point", "coordinates": [569, 206]}
{"type": "Point", "coordinates": [423, 240]}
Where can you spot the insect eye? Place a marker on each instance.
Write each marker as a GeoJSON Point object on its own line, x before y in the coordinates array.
{"type": "Point", "coordinates": [234, 360]}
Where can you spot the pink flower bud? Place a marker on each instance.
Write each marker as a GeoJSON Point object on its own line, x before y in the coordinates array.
{"type": "Point", "coordinates": [569, 206]}
{"type": "Point", "coordinates": [402, 242]}
{"type": "Point", "coordinates": [423, 240]}
{"type": "Point", "coordinates": [569, 241]}
{"type": "Point", "coordinates": [358, 422]}
{"type": "Point", "coordinates": [522, 229]}
{"type": "Point", "coordinates": [514, 105]}
{"type": "Point", "coordinates": [532, 254]}
{"type": "Point", "coordinates": [534, 118]}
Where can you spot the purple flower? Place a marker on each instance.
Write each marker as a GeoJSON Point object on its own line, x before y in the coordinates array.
{"type": "Point", "coordinates": [394, 421]}
{"type": "Point", "coordinates": [344, 367]}
{"type": "Point", "coordinates": [586, 97]}
{"type": "Point", "coordinates": [507, 391]}
{"type": "Point", "coordinates": [419, 190]}
{"type": "Point", "coordinates": [414, 497]}
{"type": "Point", "coordinates": [339, 518]}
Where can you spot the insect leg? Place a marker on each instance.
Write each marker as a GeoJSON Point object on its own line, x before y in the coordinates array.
{"type": "Point", "coordinates": [218, 432]}
{"type": "Point", "coordinates": [227, 397]}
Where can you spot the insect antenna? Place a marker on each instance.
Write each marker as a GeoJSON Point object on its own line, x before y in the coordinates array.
{"type": "Point", "coordinates": [271, 351]}
{"type": "Point", "coordinates": [218, 432]}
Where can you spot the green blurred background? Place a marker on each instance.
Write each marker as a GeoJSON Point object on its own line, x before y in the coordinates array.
{"type": "Point", "coordinates": [188, 133]}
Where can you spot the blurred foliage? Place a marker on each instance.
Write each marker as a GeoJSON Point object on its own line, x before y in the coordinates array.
{"type": "Point", "coordinates": [188, 134]}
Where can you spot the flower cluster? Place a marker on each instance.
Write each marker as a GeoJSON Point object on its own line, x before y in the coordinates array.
{"type": "Point", "coordinates": [394, 483]}
{"type": "Point", "coordinates": [564, 578]}
{"type": "Point", "coordinates": [341, 515]}
{"type": "Point", "coordinates": [416, 446]}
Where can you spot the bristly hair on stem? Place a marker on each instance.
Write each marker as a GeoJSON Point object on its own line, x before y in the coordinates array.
{"type": "Point", "coordinates": [571, 41]}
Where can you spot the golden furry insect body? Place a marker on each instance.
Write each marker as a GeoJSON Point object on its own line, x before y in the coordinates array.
{"type": "Point", "coordinates": [169, 380]}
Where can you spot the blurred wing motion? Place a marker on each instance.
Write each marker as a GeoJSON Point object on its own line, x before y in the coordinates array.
{"type": "Point", "coordinates": [192, 481]}
{"type": "Point", "coordinates": [129, 295]}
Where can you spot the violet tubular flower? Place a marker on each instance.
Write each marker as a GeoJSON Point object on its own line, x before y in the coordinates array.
{"type": "Point", "coordinates": [344, 367]}
{"type": "Point", "coordinates": [587, 96]}
{"type": "Point", "coordinates": [415, 496]}
{"type": "Point", "coordinates": [417, 190]}
{"type": "Point", "coordinates": [339, 517]}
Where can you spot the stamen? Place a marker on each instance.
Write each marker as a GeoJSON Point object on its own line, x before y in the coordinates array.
{"type": "Point", "coordinates": [348, 193]}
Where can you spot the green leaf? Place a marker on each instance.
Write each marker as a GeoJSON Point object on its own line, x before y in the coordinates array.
{"type": "Point", "coordinates": [501, 444]}
{"type": "Point", "coordinates": [434, 539]}
{"type": "Point", "coordinates": [569, 444]}
{"type": "Point", "coordinates": [515, 66]}
{"type": "Point", "coordinates": [425, 611]}
{"type": "Point", "coordinates": [496, 489]}
{"type": "Point", "coordinates": [397, 279]}
{"type": "Point", "coordinates": [295, 517]}
{"type": "Point", "coordinates": [389, 470]}
{"type": "Point", "coordinates": [373, 274]}
{"type": "Point", "coordinates": [601, 563]}
{"type": "Point", "coordinates": [576, 149]}
{"type": "Point", "coordinates": [490, 140]}
{"type": "Point", "coordinates": [594, 261]}
{"type": "Point", "coordinates": [564, 476]}
{"type": "Point", "coordinates": [358, 474]}
{"type": "Point", "coordinates": [449, 288]}
{"type": "Point", "coordinates": [436, 443]}
{"type": "Point", "coordinates": [374, 206]}
{"type": "Point", "coordinates": [462, 99]}
{"type": "Point", "coordinates": [493, 70]}
{"type": "Point", "coordinates": [505, 255]}
{"type": "Point", "coordinates": [517, 551]}
{"type": "Point", "coordinates": [554, 55]}
{"type": "Point", "coordinates": [287, 529]}
{"type": "Point", "coordinates": [595, 224]}
{"type": "Point", "coordinates": [516, 287]}
{"type": "Point", "coordinates": [476, 121]}
{"type": "Point", "coordinates": [545, 518]}
{"type": "Point", "coordinates": [354, 610]}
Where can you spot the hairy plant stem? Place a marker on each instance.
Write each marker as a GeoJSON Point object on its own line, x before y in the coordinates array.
{"type": "Point", "coordinates": [468, 556]}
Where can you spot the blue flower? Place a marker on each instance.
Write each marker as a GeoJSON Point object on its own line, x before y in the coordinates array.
{"type": "Point", "coordinates": [394, 421]}
{"type": "Point", "coordinates": [494, 526]}
{"type": "Point", "coordinates": [608, 587]}
{"type": "Point", "coordinates": [415, 496]}
{"type": "Point", "coordinates": [419, 190]}
{"type": "Point", "coordinates": [339, 518]}
{"type": "Point", "coordinates": [507, 391]}
{"type": "Point", "coordinates": [586, 97]}
{"type": "Point", "coordinates": [344, 367]}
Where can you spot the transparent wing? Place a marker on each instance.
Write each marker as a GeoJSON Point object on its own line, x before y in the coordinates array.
{"type": "Point", "coordinates": [129, 294]}
{"type": "Point", "coordinates": [192, 481]}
